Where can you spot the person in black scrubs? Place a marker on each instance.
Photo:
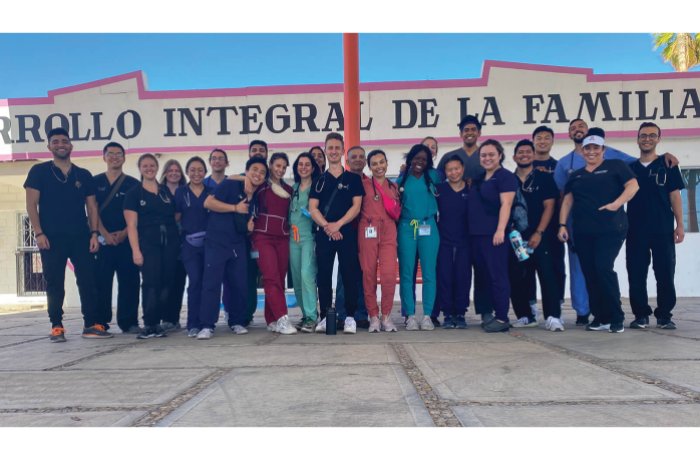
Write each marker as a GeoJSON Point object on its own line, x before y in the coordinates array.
{"type": "Point", "coordinates": [155, 244]}
{"type": "Point", "coordinates": [57, 195]}
{"type": "Point", "coordinates": [651, 231]}
{"type": "Point", "coordinates": [596, 195]}
{"type": "Point", "coordinates": [193, 217]}
{"type": "Point", "coordinates": [540, 193]}
{"type": "Point", "coordinates": [115, 253]}
{"type": "Point", "coordinates": [171, 178]}
{"type": "Point", "coordinates": [334, 202]}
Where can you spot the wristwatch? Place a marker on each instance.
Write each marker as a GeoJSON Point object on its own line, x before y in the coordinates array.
{"type": "Point", "coordinates": [95, 232]}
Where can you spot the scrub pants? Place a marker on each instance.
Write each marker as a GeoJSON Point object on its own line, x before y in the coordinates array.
{"type": "Point", "coordinates": [426, 247]}
{"type": "Point", "coordinates": [640, 249]}
{"type": "Point", "coordinates": [491, 263]}
{"type": "Point", "coordinates": [273, 263]}
{"type": "Point", "coordinates": [579, 293]}
{"type": "Point", "coordinates": [597, 254]}
{"type": "Point", "coordinates": [77, 249]}
{"type": "Point", "coordinates": [558, 254]}
{"type": "Point", "coordinates": [453, 280]}
{"type": "Point", "coordinates": [176, 293]}
{"type": "Point", "coordinates": [379, 251]}
{"type": "Point", "coordinates": [348, 267]}
{"type": "Point", "coordinates": [361, 311]}
{"type": "Point", "coordinates": [160, 251]}
{"type": "Point", "coordinates": [302, 256]}
{"type": "Point", "coordinates": [193, 260]}
{"type": "Point", "coordinates": [119, 259]}
{"type": "Point", "coordinates": [229, 263]}
{"type": "Point", "coordinates": [522, 281]}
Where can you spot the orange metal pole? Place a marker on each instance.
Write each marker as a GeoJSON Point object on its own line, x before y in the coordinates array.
{"type": "Point", "coordinates": [351, 88]}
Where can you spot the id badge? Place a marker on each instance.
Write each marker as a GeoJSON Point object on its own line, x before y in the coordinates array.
{"type": "Point", "coordinates": [371, 232]}
{"type": "Point", "coordinates": [254, 254]}
{"type": "Point", "coordinates": [424, 230]}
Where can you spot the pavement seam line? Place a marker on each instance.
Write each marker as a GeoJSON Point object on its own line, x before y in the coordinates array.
{"type": "Point", "coordinates": [552, 403]}
{"type": "Point", "coordinates": [439, 409]}
{"type": "Point", "coordinates": [116, 348]}
{"type": "Point", "coordinates": [163, 410]}
{"type": "Point", "coordinates": [78, 409]}
{"type": "Point", "coordinates": [635, 375]}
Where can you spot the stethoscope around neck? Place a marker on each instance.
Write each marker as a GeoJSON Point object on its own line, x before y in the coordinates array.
{"type": "Point", "coordinates": [321, 184]}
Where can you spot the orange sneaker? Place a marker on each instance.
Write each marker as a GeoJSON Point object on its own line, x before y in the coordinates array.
{"type": "Point", "coordinates": [58, 334]}
{"type": "Point", "coordinates": [96, 331]}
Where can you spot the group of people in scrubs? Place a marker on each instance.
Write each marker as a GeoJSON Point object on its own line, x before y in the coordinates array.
{"type": "Point", "coordinates": [451, 223]}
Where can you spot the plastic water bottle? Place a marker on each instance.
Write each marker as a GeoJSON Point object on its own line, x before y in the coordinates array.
{"type": "Point", "coordinates": [305, 212]}
{"type": "Point", "coordinates": [331, 321]}
{"type": "Point", "coordinates": [516, 240]}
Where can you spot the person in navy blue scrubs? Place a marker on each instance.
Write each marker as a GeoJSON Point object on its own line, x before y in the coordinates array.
{"type": "Point", "coordinates": [453, 261]}
{"type": "Point", "coordinates": [490, 200]}
{"type": "Point", "coordinates": [193, 218]}
{"type": "Point", "coordinates": [225, 248]}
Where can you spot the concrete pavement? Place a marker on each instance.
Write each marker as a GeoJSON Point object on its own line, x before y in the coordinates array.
{"type": "Point", "coordinates": [528, 377]}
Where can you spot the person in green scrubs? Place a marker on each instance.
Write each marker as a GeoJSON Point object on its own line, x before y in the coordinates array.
{"type": "Point", "coordinates": [418, 234]}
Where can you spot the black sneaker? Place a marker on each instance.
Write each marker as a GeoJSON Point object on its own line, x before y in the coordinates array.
{"type": "Point", "coordinates": [497, 326]}
{"type": "Point", "coordinates": [665, 324]}
{"type": "Point", "coordinates": [460, 322]}
{"type": "Point", "coordinates": [486, 318]}
{"type": "Point", "coordinates": [96, 331]}
{"type": "Point", "coordinates": [160, 332]}
{"type": "Point", "coordinates": [147, 333]}
{"type": "Point", "coordinates": [58, 334]}
{"type": "Point", "coordinates": [582, 320]}
{"type": "Point", "coordinates": [616, 328]}
{"type": "Point", "coordinates": [597, 326]}
{"type": "Point", "coordinates": [436, 322]}
{"type": "Point", "coordinates": [361, 324]}
{"type": "Point", "coordinates": [448, 323]}
{"type": "Point", "coordinates": [640, 323]}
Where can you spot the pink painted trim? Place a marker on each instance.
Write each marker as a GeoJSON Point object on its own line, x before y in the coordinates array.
{"type": "Point", "coordinates": [202, 149]}
{"type": "Point", "coordinates": [4, 103]}
{"type": "Point", "coordinates": [143, 93]}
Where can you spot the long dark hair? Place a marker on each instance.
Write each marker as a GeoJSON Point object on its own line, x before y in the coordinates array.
{"type": "Point", "coordinates": [316, 169]}
{"type": "Point", "coordinates": [415, 150]}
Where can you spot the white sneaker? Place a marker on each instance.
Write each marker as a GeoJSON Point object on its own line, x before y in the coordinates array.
{"type": "Point", "coordinates": [272, 327]}
{"type": "Point", "coordinates": [285, 327]}
{"type": "Point", "coordinates": [238, 329]}
{"type": "Point", "coordinates": [321, 327]}
{"type": "Point", "coordinates": [205, 334]}
{"type": "Point", "coordinates": [427, 324]}
{"type": "Point", "coordinates": [374, 324]}
{"type": "Point", "coordinates": [411, 323]}
{"type": "Point", "coordinates": [388, 325]}
{"type": "Point", "coordinates": [193, 332]}
{"type": "Point", "coordinates": [350, 326]}
{"type": "Point", "coordinates": [555, 324]}
{"type": "Point", "coordinates": [523, 322]}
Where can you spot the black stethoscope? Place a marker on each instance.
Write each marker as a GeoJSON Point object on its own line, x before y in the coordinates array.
{"type": "Point", "coordinates": [321, 184]}
{"type": "Point", "coordinates": [529, 184]}
{"type": "Point", "coordinates": [165, 199]}
{"type": "Point", "coordinates": [188, 199]}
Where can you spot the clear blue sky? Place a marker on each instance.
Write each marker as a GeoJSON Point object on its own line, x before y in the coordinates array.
{"type": "Point", "coordinates": [33, 64]}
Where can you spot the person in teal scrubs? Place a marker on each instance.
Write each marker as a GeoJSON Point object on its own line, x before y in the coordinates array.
{"type": "Point", "coordinates": [418, 234]}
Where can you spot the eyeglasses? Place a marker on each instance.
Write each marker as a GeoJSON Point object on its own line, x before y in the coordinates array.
{"type": "Point", "coordinates": [114, 154]}
{"type": "Point", "coordinates": [651, 137]}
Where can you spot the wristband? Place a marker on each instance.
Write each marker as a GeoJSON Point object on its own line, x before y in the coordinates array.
{"type": "Point", "coordinates": [95, 232]}
{"type": "Point", "coordinates": [37, 235]}
{"type": "Point", "coordinates": [562, 225]}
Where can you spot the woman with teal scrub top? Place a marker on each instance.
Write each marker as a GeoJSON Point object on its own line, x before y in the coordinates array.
{"type": "Point", "coordinates": [418, 234]}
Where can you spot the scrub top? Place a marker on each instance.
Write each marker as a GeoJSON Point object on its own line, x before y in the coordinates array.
{"type": "Point", "coordinates": [453, 219]}
{"type": "Point", "coordinates": [372, 203]}
{"type": "Point", "coordinates": [591, 190]}
{"type": "Point", "coordinates": [348, 186]}
{"type": "Point", "coordinates": [650, 211]}
{"type": "Point", "coordinates": [112, 216]}
{"type": "Point", "coordinates": [62, 198]}
{"type": "Point", "coordinates": [194, 216]}
{"type": "Point", "coordinates": [154, 210]}
{"type": "Point", "coordinates": [485, 200]}
{"type": "Point", "coordinates": [548, 165]}
{"type": "Point", "coordinates": [537, 187]}
{"type": "Point", "coordinates": [221, 225]}
{"type": "Point", "coordinates": [573, 161]}
{"type": "Point", "coordinates": [417, 201]}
